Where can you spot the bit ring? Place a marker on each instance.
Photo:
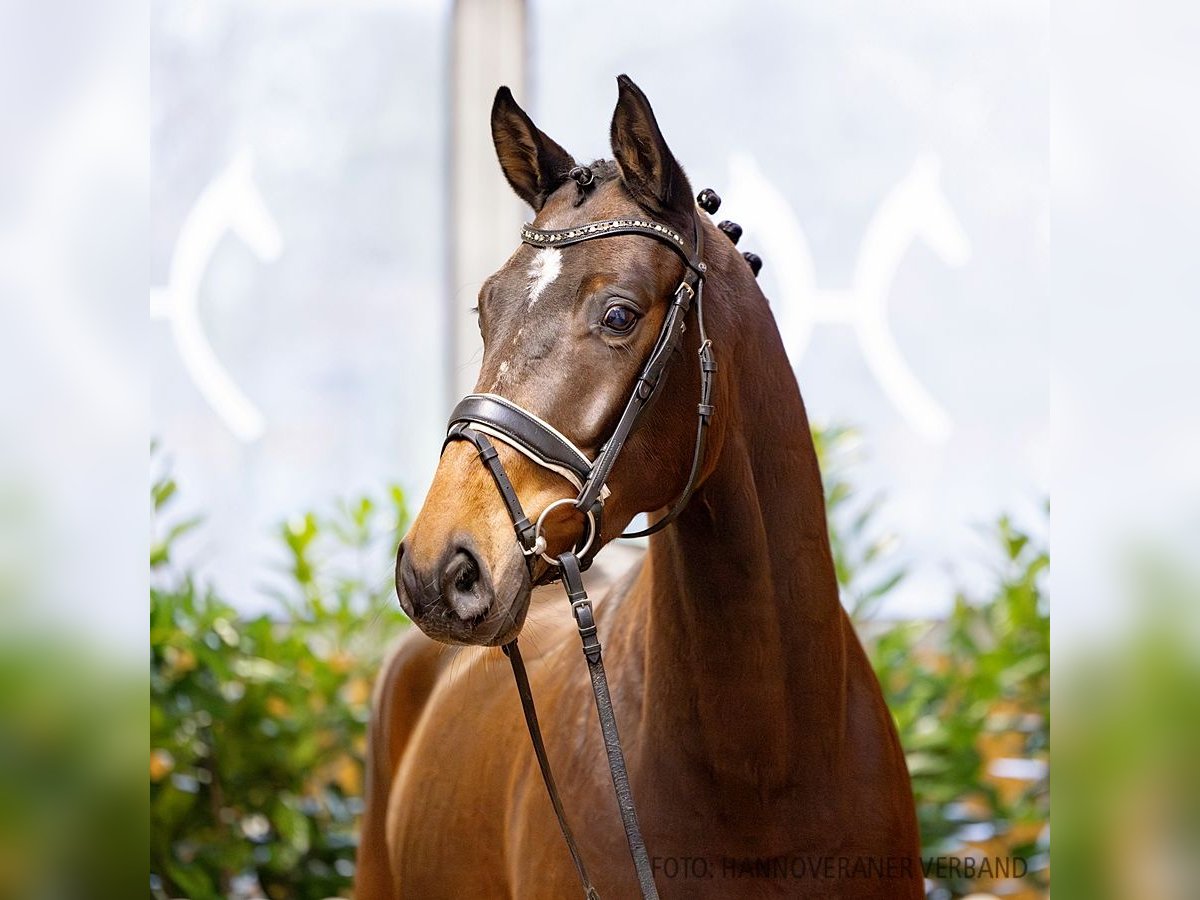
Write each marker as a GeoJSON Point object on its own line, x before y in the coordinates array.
{"type": "Point", "coordinates": [540, 539]}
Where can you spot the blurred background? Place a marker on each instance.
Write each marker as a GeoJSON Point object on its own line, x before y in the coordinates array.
{"type": "Point", "coordinates": [309, 190]}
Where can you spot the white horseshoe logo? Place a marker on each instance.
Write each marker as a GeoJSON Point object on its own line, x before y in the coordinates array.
{"type": "Point", "coordinates": [231, 202]}
{"type": "Point", "coordinates": [915, 208]}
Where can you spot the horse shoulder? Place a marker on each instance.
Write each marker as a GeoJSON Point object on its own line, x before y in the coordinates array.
{"type": "Point", "coordinates": [408, 677]}
{"type": "Point", "coordinates": [882, 806]}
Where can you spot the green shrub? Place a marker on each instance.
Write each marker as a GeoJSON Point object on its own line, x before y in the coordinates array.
{"type": "Point", "coordinates": [970, 695]}
{"type": "Point", "coordinates": [258, 724]}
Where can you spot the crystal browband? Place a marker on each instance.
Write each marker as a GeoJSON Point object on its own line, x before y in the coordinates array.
{"type": "Point", "coordinates": [546, 238]}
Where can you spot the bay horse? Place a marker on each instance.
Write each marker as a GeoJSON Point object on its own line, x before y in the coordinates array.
{"type": "Point", "coordinates": [759, 749]}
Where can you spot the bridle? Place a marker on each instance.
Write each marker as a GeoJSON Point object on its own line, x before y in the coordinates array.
{"type": "Point", "coordinates": [479, 418]}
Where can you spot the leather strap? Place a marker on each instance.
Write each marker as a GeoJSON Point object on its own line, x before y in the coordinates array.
{"type": "Point", "coordinates": [539, 749]}
{"type": "Point", "coordinates": [581, 606]}
{"type": "Point", "coordinates": [526, 533]}
{"type": "Point", "coordinates": [704, 409]}
{"type": "Point", "coordinates": [521, 427]}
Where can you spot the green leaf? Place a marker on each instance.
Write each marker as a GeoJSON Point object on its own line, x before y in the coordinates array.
{"type": "Point", "coordinates": [194, 881]}
{"type": "Point", "coordinates": [162, 491]}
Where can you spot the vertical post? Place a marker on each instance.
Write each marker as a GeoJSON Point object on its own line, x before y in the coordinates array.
{"type": "Point", "coordinates": [488, 49]}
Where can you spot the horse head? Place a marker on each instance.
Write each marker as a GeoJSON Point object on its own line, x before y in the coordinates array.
{"type": "Point", "coordinates": [565, 334]}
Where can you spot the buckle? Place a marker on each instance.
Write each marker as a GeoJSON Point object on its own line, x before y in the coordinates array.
{"type": "Point", "coordinates": [588, 632]}
{"type": "Point", "coordinates": [679, 292]}
{"type": "Point", "coordinates": [538, 548]}
{"type": "Point", "coordinates": [582, 611]}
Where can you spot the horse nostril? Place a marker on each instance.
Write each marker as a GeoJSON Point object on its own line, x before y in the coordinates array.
{"type": "Point", "coordinates": [462, 584]}
{"type": "Point", "coordinates": [468, 574]}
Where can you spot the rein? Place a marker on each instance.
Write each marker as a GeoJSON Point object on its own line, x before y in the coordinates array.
{"type": "Point", "coordinates": [478, 418]}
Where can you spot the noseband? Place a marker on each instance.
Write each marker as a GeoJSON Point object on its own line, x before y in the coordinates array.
{"type": "Point", "coordinates": [479, 418]}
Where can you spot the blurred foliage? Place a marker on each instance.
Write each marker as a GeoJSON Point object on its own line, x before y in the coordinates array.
{"type": "Point", "coordinates": [970, 693]}
{"type": "Point", "coordinates": [1130, 731]}
{"type": "Point", "coordinates": [71, 759]}
{"type": "Point", "coordinates": [861, 549]}
{"type": "Point", "coordinates": [971, 699]}
{"type": "Point", "coordinates": [258, 723]}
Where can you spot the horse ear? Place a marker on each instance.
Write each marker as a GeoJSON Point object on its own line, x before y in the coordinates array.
{"type": "Point", "coordinates": [649, 169]}
{"type": "Point", "coordinates": [533, 164]}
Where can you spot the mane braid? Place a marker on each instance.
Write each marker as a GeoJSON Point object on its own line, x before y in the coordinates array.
{"type": "Point", "coordinates": [602, 170]}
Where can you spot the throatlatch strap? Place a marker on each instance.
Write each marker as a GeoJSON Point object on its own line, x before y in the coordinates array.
{"type": "Point", "coordinates": [539, 749]}
{"type": "Point", "coordinates": [581, 606]}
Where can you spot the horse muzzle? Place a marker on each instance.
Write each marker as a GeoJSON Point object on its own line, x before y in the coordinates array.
{"type": "Point", "coordinates": [459, 598]}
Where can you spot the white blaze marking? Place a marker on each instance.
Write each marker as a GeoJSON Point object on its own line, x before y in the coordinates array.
{"type": "Point", "coordinates": [546, 265]}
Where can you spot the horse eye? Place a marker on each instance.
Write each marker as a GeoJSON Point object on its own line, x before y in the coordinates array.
{"type": "Point", "coordinates": [619, 319]}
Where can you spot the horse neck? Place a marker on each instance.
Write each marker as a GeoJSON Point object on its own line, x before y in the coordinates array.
{"type": "Point", "coordinates": [744, 628]}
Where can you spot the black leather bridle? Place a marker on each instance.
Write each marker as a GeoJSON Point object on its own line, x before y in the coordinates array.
{"type": "Point", "coordinates": [479, 418]}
